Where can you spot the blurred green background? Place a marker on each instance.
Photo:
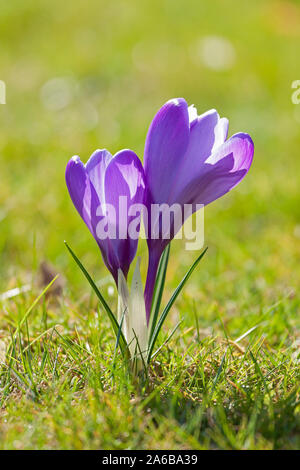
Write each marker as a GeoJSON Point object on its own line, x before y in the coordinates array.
{"type": "Point", "coordinates": [91, 74]}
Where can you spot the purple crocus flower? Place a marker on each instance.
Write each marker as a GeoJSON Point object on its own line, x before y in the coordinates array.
{"type": "Point", "coordinates": [188, 160]}
{"type": "Point", "coordinates": [100, 183]}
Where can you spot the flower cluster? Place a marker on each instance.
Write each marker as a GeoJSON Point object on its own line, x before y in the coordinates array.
{"type": "Point", "coordinates": [188, 160]}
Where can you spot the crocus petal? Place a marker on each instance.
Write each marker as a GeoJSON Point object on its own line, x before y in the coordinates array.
{"type": "Point", "coordinates": [207, 133]}
{"type": "Point", "coordinates": [240, 146]}
{"type": "Point", "coordinates": [166, 143]}
{"type": "Point", "coordinates": [79, 189]}
{"type": "Point", "coordinates": [124, 178]}
{"type": "Point", "coordinates": [125, 173]}
{"type": "Point", "coordinates": [222, 171]}
{"type": "Point", "coordinates": [96, 167]}
{"type": "Point", "coordinates": [86, 200]}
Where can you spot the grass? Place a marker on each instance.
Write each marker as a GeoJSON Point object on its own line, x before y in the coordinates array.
{"type": "Point", "coordinates": [60, 391]}
{"type": "Point", "coordinates": [229, 376]}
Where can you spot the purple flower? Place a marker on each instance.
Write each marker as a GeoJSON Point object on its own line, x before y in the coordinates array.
{"type": "Point", "coordinates": [96, 186]}
{"type": "Point", "coordinates": [189, 161]}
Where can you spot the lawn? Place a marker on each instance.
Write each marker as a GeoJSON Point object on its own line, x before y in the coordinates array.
{"type": "Point", "coordinates": [91, 74]}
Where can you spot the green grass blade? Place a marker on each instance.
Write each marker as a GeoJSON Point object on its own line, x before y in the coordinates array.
{"type": "Point", "coordinates": [219, 371]}
{"type": "Point", "coordinates": [28, 312]}
{"type": "Point", "coordinates": [167, 340]}
{"type": "Point", "coordinates": [118, 338]}
{"type": "Point", "coordinates": [112, 318]}
{"type": "Point", "coordinates": [159, 288]}
{"type": "Point", "coordinates": [170, 303]}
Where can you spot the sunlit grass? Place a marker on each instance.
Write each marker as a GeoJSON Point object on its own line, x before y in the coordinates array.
{"type": "Point", "coordinates": [206, 389]}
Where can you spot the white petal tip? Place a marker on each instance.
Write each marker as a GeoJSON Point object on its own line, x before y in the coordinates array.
{"type": "Point", "coordinates": [193, 114]}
